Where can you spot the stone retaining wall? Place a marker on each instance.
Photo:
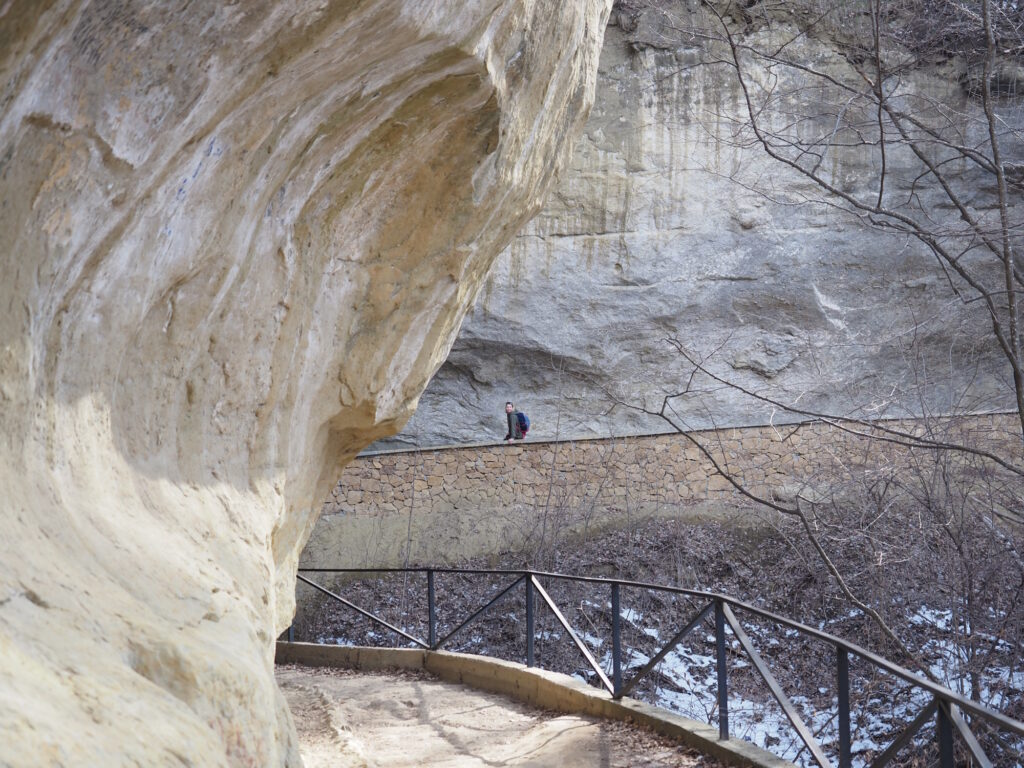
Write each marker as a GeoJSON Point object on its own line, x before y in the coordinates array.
{"type": "Point", "coordinates": [444, 505]}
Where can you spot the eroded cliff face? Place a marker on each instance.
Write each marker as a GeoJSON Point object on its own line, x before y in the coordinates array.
{"type": "Point", "coordinates": [670, 222]}
{"type": "Point", "coordinates": [236, 239]}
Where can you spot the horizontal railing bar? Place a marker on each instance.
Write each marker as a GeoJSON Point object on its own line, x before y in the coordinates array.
{"type": "Point", "coordinates": [472, 617]}
{"type": "Point", "coordinates": [416, 569]}
{"type": "Point", "coordinates": [780, 696]}
{"type": "Point", "coordinates": [367, 614]}
{"type": "Point", "coordinates": [573, 636]}
{"type": "Point", "coordinates": [943, 693]}
{"type": "Point", "coordinates": [656, 659]}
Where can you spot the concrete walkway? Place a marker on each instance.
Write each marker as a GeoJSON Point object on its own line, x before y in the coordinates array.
{"type": "Point", "coordinates": [351, 719]}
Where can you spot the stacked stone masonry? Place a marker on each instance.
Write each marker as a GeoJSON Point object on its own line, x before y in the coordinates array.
{"type": "Point", "coordinates": [444, 504]}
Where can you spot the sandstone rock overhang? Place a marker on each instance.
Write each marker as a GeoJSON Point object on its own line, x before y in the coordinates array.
{"type": "Point", "coordinates": [236, 239]}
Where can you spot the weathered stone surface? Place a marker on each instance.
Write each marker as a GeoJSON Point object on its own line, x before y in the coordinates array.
{"type": "Point", "coordinates": [656, 231]}
{"type": "Point", "coordinates": [236, 240]}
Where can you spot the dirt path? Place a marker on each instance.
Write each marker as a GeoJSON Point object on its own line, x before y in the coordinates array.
{"type": "Point", "coordinates": [351, 720]}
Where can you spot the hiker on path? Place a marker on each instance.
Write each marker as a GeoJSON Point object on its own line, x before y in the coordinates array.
{"type": "Point", "coordinates": [514, 431]}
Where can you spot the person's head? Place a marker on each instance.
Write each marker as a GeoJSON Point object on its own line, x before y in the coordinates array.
{"type": "Point", "coordinates": [509, 407]}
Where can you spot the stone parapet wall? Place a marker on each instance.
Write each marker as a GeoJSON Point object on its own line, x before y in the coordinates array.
{"type": "Point", "coordinates": [443, 505]}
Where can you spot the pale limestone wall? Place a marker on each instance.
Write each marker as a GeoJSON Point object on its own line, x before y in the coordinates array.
{"type": "Point", "coordinates": [236, 241]}
{"type": "Point", "coordinates": [444, 505]}
{"type": "Point", "coordinates": [657, 229]}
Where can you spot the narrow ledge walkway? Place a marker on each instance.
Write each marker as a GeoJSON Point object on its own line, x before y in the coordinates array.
{"type": "Point", "coordinates": [350, 719]}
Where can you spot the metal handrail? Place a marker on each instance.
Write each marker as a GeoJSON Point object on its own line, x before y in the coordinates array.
{"type": "Point", "coordinates": [945, 704]}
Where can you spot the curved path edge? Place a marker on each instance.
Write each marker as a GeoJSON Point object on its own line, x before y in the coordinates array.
{"type": "Point", "coordinates": [537, 687]}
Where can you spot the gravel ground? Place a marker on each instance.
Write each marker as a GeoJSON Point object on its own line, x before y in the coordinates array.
{"type": "Point", "coordinates": [353, 719]}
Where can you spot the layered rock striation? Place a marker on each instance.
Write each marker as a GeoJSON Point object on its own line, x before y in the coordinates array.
{"type": "Point", "coordinates": [237, 239]}
{"type": "Point", "coordinates": [671, 222]}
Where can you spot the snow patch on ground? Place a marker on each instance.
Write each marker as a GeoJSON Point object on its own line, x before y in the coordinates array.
{"type": "Point", "coordinates": [689, 688]}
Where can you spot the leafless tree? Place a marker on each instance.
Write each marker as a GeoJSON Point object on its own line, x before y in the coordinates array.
{"type": "Point", "coordinates": [945, 172]}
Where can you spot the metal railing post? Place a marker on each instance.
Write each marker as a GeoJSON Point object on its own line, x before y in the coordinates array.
{"type": "Point", "coordinates": [843, 675]}
{"type": "Point", "coordinates": [951, 710]}
{"type": "Point", "coordinates": [529, 619]}
{"type": "Point", "coordinates": [723, 689]}
{"type": "Point", "coordinates": [944, 735]}
{"type": "Point", "coordinates": [431, 611]}
{"type": "Point", "coordinates": [616, 643]}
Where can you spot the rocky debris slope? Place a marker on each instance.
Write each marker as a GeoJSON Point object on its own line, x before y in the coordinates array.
{"type": "Point", "coordinates": [236, 240]}
{"type": "Point", "coordinates": [662, 227]}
